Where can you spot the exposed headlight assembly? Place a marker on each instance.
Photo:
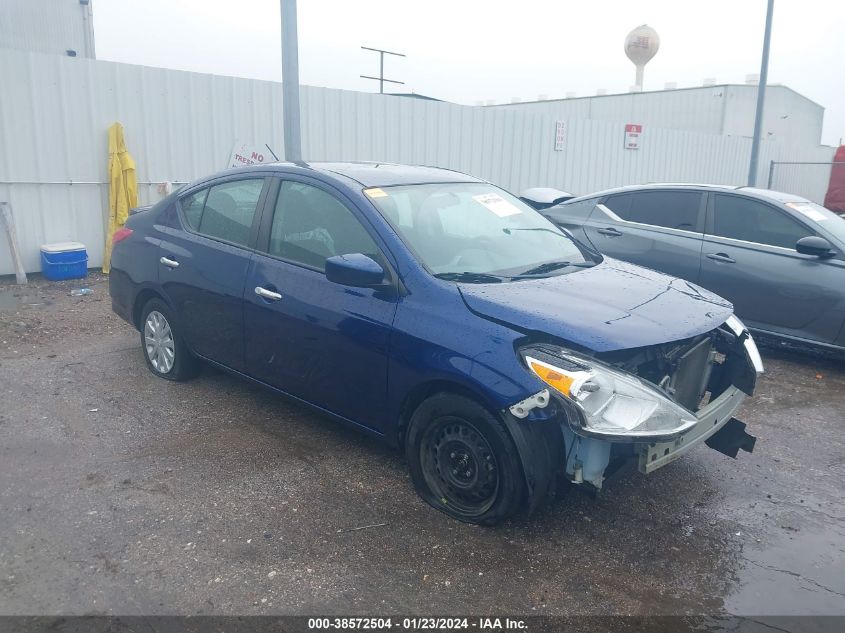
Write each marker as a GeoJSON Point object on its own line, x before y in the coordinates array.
{"type": "Point", "coordinates": [614, 404]}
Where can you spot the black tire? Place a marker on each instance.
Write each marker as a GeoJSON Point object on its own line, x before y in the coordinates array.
{"type": "Point", "coordinates": [463, 461]}
{"type": "Point", "coordinates": [184, 364]}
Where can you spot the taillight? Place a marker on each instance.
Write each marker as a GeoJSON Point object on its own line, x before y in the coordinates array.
{"type": "Point", "coordinates": [120, 235]}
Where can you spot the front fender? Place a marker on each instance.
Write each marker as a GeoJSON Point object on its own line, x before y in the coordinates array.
{"type": "Point", "coordinates": [542, 450]}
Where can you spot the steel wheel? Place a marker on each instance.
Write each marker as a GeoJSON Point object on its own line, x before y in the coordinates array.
{"type": "Point", "coordinates": [459, 466]}
{"type": "Point", "coordinates": [158, 342]}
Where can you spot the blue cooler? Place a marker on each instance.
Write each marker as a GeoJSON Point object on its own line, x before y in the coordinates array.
{"type": "Point", "coordinates": [64, 260]}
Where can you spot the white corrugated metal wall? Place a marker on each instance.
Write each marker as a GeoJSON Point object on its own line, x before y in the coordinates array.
{"type": "Point", "coordinates": [515, 149]}
{"type": "Point", "coordinates": [180, 126]}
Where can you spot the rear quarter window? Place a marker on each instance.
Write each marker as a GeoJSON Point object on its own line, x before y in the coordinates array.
{"type": "Point", "coordinates": [192, 205]}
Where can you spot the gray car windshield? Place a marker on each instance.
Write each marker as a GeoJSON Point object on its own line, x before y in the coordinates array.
{"type": "Point", "coordinates": [476, 232]}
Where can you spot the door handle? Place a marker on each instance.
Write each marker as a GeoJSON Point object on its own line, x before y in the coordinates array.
{"type": "Point", "coordinates": [721, 257]}
{"type": "Point", "coordinates": [610, 232]}
{"type": "Point", "coordinates": [170, 263]}
{"type": "Point", "coordinates": [267, 294]}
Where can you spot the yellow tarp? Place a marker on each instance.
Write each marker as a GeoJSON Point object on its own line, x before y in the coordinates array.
{"type": "Point", "coordinates": [123, 187]}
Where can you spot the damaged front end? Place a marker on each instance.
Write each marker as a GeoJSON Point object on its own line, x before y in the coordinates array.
{"type": "Point", "coordinates": [650, 404]}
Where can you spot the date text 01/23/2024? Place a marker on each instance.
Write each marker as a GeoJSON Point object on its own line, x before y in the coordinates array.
{"type": "Point", "coordinates": [418, 624]}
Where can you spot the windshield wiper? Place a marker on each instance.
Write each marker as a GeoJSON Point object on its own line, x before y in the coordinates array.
{"type": "Point", "coordinates": [468, 277]}
{"type": "Point", "coordinates": [551, 266]}
{"type": "Point", "coordinates": [557, 232]}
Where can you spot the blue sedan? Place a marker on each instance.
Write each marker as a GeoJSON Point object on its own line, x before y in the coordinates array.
{"type": "Point", "coordinates": [442, 314]}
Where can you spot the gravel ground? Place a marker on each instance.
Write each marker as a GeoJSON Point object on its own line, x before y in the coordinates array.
{"type": "Point", "coordinates": [123, 494]}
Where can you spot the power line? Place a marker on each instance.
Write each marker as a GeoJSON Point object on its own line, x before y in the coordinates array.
{"type": "Point", "coordinates": [380, 79]}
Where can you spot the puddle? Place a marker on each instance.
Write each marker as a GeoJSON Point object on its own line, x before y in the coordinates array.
{"type": "Point", "coordinates": [9, 301]}
{"type": "Point", "coordinates": [801, 573]}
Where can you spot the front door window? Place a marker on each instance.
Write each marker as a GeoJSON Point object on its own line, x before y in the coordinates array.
{"type": "Point", "coordinates": [311, 225]}
{"type": "Point", "coordinates": [752, 221]}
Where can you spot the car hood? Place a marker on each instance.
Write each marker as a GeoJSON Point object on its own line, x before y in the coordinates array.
{"type": "Point", "coordinates": [611, 306]}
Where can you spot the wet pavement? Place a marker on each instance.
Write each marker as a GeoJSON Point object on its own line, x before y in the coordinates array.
{"type": "Point", "coordinates": [124, 494]}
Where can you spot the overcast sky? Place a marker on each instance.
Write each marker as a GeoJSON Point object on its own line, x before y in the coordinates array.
{"type": "Point", "coordinates": [467, 51]}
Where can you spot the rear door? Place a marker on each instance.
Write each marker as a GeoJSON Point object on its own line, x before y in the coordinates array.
{"type": "Point", "coordinates": [749, 258]}
{"type": "Point", "coordinates": [320, 341]}
{"type": "Point", "coordinates": [659, 229]}
{"type": "Point", "coordinates": [202, 269]}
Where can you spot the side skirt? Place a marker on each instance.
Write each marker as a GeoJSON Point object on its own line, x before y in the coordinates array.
{"type": "Point", "coordinates": [314, 407]}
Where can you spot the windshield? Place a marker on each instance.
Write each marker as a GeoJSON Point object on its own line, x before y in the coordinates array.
{"type": "Point", "coordinates": [476, 232]}
{"type": "Point", "coordinates": [824, 218]}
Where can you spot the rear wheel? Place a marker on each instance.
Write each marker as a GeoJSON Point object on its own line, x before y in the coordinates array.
{"type": "Point", "coordinates": [165, 351]}
{"type": "Point", "coordinates": [463, 461]}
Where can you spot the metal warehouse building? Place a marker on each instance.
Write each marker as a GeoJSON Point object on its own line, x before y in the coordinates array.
{"type": "Point", "coordinates": [60, 27]}
{"type": "Point", "coordinates": [726, 109]}
{"type": "Point", "coordinates": [59, 100]}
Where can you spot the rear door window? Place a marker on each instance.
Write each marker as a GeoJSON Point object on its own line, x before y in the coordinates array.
{"type": "Point", "coordinates": [670, 209]}
{"type": "Point", "coordinates": [749, 220]}
{"type": "Point", "coordinates": [228, 211]}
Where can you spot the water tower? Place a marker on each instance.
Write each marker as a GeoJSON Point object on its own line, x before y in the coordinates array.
{"type": "Point", "coordinates": [641, 46]}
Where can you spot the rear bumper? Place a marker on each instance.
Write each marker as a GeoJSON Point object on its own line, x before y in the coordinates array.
{"type": "Point", "coordinates": [711, 419]}
{"type": "Point", "coordinates": [122, 294]}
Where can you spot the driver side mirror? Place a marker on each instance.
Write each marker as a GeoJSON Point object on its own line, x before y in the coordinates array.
{"type": "Point", "coordinates": [355, 270]}
{"type": "Point", "coordinates": [815, 246]}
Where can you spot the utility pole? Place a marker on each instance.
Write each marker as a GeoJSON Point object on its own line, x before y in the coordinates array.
{"type": "Point", "coordinates": [380, 79]}
{"type": "Point", "coordinates": [290, 82]}
{"type": "Point", "coordinates": [761, 97]}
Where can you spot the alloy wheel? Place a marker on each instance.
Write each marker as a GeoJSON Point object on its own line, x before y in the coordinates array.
{"type": "Point", "coordinates": [158, 342]}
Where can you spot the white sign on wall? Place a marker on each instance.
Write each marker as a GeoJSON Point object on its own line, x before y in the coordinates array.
{"type": "Point", "coordinates": [244, 154]}
{"type": "Point", "coordinates": [560, 135]}
{"type": "Point", "coordinates": [633, 135]}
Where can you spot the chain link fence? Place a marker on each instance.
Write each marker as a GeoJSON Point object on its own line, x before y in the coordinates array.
{"type": "Point", "coordinates": [810, 180]}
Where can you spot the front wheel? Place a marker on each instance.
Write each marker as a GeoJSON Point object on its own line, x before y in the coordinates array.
{"type": "Point", "coordinates": [463, 461]}
{"type": "Point", "coordinates": [165, 351]}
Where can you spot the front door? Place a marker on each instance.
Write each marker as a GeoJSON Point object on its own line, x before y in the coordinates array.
{"type": "Point", "coordinates": [749, 258]}
{"type": "Point", "coordinates": [320, 341]}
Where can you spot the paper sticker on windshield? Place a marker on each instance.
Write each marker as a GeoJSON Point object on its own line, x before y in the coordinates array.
{"type": "Point", "coordinates": [497, 204]}
{"type": "Point", "coordinates": [807, 211]}
{"type": "Point", "coordinates": [375, 192]}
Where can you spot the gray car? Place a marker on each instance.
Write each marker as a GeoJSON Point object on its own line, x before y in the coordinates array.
{"type": "Point", "coordinates": [778, 257]}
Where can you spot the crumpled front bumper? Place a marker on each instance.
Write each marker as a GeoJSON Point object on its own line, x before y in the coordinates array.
{"type": "Point", "coordinates": [711, 419]}
{"type": "Point", "coordinates": [589, 459]}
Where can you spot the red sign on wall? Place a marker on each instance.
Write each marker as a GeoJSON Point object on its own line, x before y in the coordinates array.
{"type": "Point", "coordinates": [633, 134]}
